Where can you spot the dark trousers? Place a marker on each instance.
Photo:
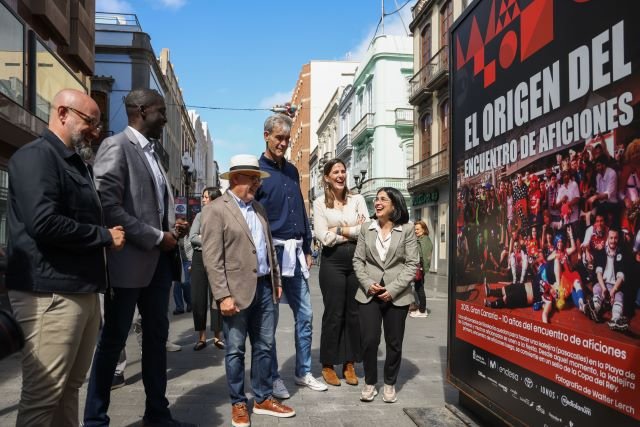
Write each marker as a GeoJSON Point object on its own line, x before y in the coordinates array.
{"type": "Point", "coordinates": [182, 290]}
{"type": "Point", "coordinates": [153, 303]}
{"type": "Point", "coordinates": [418, 285]}
{"type": "Point", "coordinates": [372, 316]}
{"type": "Point", "coordinates": [201, 297]}
{"type": "Point", "coordinates": [340, 336]}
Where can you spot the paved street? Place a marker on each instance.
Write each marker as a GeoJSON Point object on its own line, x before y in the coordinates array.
{"type": "Point", "coordinates": [198, 393]}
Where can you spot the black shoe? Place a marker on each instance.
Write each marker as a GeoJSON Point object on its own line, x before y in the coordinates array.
{"type": "Point", "coordinates": [188, 308]}
{"type": "Point", "coordinates": [591, 312]}
{"type": "Point", "coordinates": [117, 382]}
{"type": "Point", "coordinates": [176, 311]}
{"type": "Point", "coordinates": [621, 324]}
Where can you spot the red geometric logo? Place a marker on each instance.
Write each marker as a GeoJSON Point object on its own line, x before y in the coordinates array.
{"type": "Point", "coordinates": [524, 30]}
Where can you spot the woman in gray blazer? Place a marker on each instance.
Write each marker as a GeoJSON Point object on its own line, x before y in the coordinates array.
{"type": "Point", "coordinates": [385, 262]}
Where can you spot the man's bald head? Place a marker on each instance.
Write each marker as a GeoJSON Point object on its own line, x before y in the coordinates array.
{"type": "Point", "coordinates": [74, 117]}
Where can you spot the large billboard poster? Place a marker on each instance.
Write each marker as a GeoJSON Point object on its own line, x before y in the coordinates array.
{"type": "Point", "coordinates": [544, 295]}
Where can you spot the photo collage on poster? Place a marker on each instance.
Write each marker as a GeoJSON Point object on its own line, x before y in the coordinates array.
{"type": "Point", "coordinates": [546, 289]}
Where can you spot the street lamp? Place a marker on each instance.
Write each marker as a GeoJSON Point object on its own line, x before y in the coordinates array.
{"type": "Point", "coordinates": [288, 108]}
{"type": "Point", "coordinates": [360, 179]}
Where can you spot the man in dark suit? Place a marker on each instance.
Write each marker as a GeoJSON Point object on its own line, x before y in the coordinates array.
{"type": "Point", "coordinates": [135, 192]}
{"type": "Point", "coordinates": [56, 260]}
{"type": "Point", "coordinates": [243, 271]}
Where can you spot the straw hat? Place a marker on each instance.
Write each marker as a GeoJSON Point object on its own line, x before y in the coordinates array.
{"type": "Point", "coordinates": [244, 163]}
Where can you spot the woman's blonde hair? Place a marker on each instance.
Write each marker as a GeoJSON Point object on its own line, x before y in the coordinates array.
{"type": "Point", "coordinates": [632, 153]}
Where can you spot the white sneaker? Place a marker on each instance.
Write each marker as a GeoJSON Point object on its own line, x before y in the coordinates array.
{"type": "Point", "coordinates": [309, 381]}
{"type": "Point", "coordinates": [279, 390]}
{"type": "Point", "coordinates": [389, 394]}
{"type": "Point", "coordinates": [417, 313]}
{"type": "Point", "coordinates": [369, 392]}
{"type": "Point", "coordinates": [173, 347]}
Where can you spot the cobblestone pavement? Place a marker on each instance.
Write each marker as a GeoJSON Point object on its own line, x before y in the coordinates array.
{"type": "Point", "coordinates": [197, 387]}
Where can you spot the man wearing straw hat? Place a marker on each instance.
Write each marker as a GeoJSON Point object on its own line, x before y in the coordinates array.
{"type": "Point", "coordinates": [241, 263]}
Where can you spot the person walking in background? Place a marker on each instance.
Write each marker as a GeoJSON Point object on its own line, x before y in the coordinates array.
{"type": "Point", "coordinates": [56, 260]}
{"type": "Point", "coordinates": [134, 191]}
{"type": "Point", "coordinates": [238, 253]}
{"type": "Point", "coordinates": [425, 248]}
{"type": "Point", "coordinates": [182, 284]}
{"type": "Point", "coordinates": [281, 196]}
{"type": "Point", "coordinates": [202, 300]}
{"type": "Point", "coordinates": [385, 262]}
{"type": "Point", "coordinates": [337, 219]}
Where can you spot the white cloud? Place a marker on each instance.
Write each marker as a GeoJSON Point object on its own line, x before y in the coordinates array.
{"type": "Point", "coordinates": [114, 6]}
{"type": "Point", "coordinates": [172, 4]}
{"type": "Point", "coordinates": [275, 98]}
{"type": "Point", "coordinates": [393, 25]}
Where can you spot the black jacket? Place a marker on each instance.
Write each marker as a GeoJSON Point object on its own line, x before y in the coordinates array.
{"type": "Point", "coordinates": [600, 261]}
{"type": "Point", "coordinates": [56, 240]}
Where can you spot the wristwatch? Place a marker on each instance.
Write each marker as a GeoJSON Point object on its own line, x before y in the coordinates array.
{"type": "Point", "coordinates": [339, 231]}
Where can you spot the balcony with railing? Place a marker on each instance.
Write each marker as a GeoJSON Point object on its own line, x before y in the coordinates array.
{"type": "Point", "coordinates": [404, 122]}
{"type": "Point", "coordinates": [363, 128]}
{"type": "Point", "coordinates": [404, 116]}
{"type": "Point", "coordinates": [117, 22]}
{"type": "Point", "coordinates": [429, 169]}
{"type": "Point", "coordinates": [431, 76]}
{"type": "Point", "coordinates": [371, 185]}
{"type": "Point", "coordinates": [419, 7]}
{"type": "Point", "coordinates": [344, 147]}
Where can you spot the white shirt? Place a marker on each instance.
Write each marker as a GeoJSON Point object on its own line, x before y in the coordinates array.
{"type": "Point", "coordinates": [383, 243]}
{"type": "Point", "coordinates": [607, 183]}
{"type": "Point", "coordinates": [325, 218]}
{"type": "Point", "coordinates": [257, 234]}
{"type": "Point", "coordinates": [158, 176]}
{"type": "Point", "coordinates": [571, 191]}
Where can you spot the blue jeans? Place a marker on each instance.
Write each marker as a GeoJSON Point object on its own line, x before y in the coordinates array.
{"type": "Point", "coordinates": [152, 302]}
{"type": "Point", "coordinates": [296, 289]}
{"type": "Point", "coordinates": [183, 289]}
{"type": "Point", "coordinates": [257, 321]}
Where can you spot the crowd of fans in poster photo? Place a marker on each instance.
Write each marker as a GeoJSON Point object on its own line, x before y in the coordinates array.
{"type": "Point", "coordinates": [560, 235]}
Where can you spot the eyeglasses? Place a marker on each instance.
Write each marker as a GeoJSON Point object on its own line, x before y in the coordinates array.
{"type": "Point", "coordinates": [90, 121]}
{"type": "Point", "coordinates": [254, 178]}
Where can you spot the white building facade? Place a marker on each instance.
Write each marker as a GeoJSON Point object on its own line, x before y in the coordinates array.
{"type": "Point", "coordinates": [201, 158]}
{"type": "Point", "coordinates": [328, 136]}
{"type": "Point", "coordinates": [376, 119]}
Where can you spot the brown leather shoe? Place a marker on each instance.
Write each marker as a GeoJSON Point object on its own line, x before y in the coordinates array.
{"type": "Point", "coordinates": [240, 415]}
{"type": "Point", "coordinates": [272, 407]}
{"type": "Point", "coordinates": [349, 374]}
{"type": "Point", "coordinates": [329, 375]}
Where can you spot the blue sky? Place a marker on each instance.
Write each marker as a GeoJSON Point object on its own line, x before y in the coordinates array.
{"type": "Point", "coordinates": [248, 54]}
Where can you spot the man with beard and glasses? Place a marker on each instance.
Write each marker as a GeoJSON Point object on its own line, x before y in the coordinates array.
{"type": "Point", "coordinates": [136, 193]}
{"type": "Point", "coordinates": [56, 260]}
